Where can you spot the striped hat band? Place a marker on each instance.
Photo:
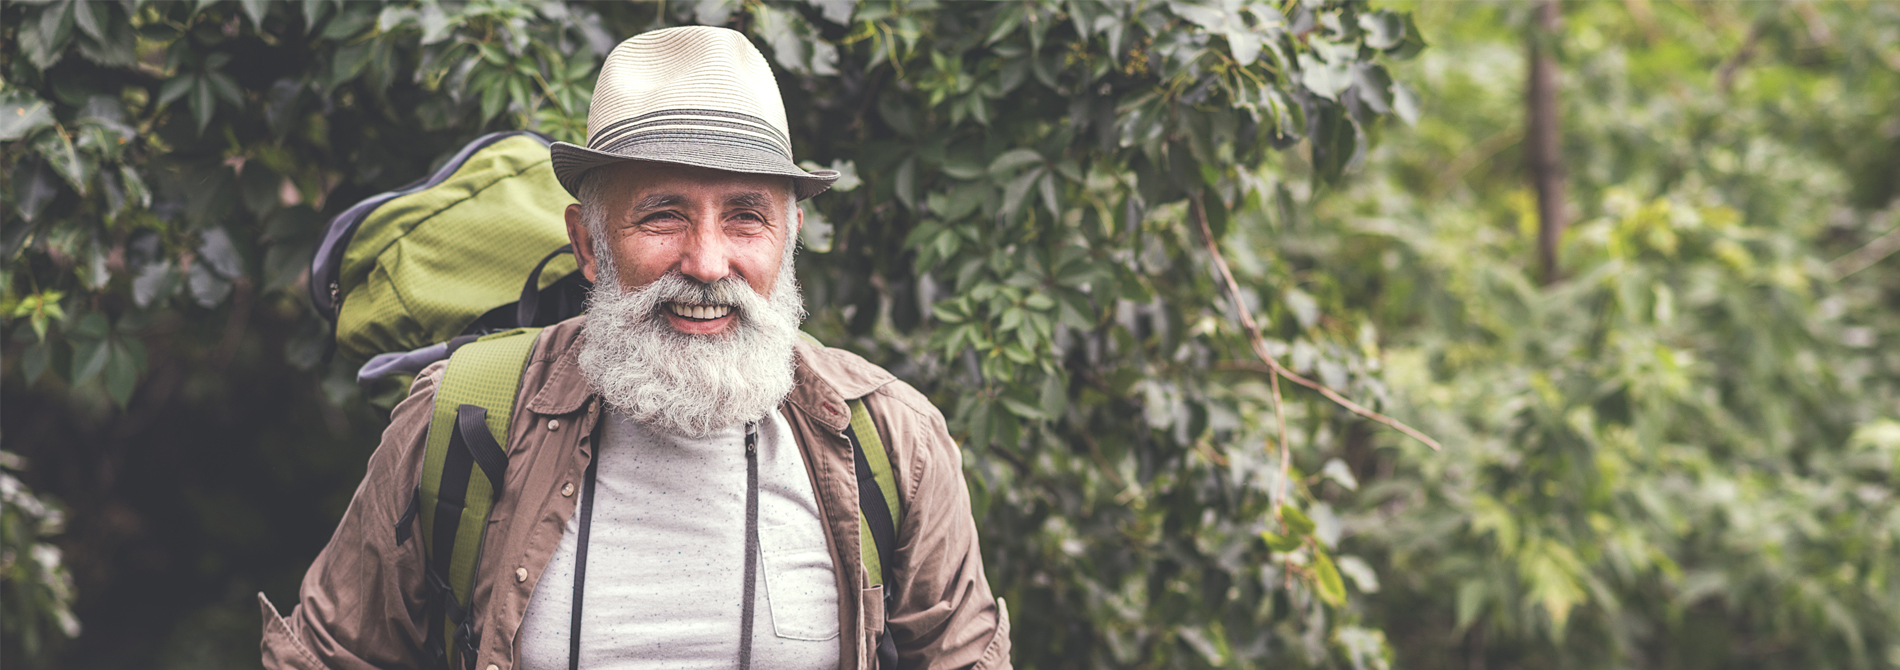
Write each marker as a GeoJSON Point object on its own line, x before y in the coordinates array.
{"type": "Point", "coordinates": [694, 95]}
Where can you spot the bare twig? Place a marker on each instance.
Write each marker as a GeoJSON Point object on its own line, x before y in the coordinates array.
{"type": "Point", "coordinates": [1334, 396]}
{"type": "Point", "coordinates": [1873, 252]}
{"type": "Point", "coordinates": [1273, 366]}
{"type": "Point", "coordinates": [1253, 336]}
{"type": "Point", "coordinates": [1476, 155]}
{"type": "Point", "coordinates": [1725, 75]}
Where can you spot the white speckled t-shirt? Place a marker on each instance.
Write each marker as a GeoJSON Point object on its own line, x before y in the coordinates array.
{"type": "Point", "coordinates": [665, 559]}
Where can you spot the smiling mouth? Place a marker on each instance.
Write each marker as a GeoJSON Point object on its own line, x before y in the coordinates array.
{"type": "Point", "coordinates": [698, 312]}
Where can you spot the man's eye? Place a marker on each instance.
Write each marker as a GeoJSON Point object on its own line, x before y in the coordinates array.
{"type": "Point", "coordinates": [661, 220]}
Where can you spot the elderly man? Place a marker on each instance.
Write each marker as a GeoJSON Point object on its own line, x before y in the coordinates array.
{"type": "Point", "coordinates": [681, 489]}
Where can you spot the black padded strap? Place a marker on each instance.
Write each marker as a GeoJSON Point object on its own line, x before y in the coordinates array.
{"type": "Point", "coordinates": [471, 431]}
{"type": "Point", "coordinates": [751, 544]}
{"type": "Point", "coordinates": [408, 517]}
{"type": "Point", "coordinates": [580, 562]}
{"type": "Point", "coordinates": [876, 512]}
{"type": "Point", "coordinates": [529, 306]}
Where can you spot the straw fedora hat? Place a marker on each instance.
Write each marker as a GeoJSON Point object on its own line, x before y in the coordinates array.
{"type": "Point", "coordinates": [693, 95]}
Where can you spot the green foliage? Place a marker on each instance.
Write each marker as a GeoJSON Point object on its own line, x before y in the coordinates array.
{"type": "Point", "coordinates": [1018, 244]}
{"type": "Point", "coordinates": [38, 609]}
{"type": "Point", "coordinates": [1680, 455]}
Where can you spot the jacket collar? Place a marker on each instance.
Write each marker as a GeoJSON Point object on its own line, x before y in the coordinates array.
{"type": "Point", "coordinates": [825, 378]}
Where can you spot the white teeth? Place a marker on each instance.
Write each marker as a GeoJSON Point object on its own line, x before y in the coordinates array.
{"type": "Point", "coordinates": [700, 312]}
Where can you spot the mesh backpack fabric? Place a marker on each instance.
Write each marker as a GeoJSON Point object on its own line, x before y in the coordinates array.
{"type": "Point", "coordinates": [421, 265]}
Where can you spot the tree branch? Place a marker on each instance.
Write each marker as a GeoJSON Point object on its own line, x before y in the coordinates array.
{"type": "Point", "coordinates": [1873, 252]}
{"type": "Point", "coordinates": [1273, 366]}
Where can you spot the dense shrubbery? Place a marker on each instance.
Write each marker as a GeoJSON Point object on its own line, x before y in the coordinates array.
{"type": "Point", "coordinates": [1017, 243]}
{"type": "Point", "coordinates": [1678, 456]}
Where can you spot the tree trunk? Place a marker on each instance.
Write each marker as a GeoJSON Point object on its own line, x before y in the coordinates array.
{"type": "Point", "coordinates": [1542, 141]}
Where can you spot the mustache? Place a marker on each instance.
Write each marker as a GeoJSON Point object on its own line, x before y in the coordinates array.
{"type": "Point", "coordinates": [730, 291]}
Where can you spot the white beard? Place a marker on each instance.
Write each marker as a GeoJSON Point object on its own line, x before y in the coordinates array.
{"type": "Point", "coordinates": [691, 385]}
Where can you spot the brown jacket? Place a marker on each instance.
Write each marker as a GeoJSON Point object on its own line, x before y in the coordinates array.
{"type": "Point", "coordinates": [363, 601]}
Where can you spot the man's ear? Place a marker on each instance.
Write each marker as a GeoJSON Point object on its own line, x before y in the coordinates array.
{"type": "Point", "coordinates": [583, 241]}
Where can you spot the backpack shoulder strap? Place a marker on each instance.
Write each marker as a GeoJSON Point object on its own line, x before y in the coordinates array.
{"type": "Point", "coordinates": [879, 512]}
{"type": "Point", "coordinates": [462, 469]}
{"type": "Point", "coordinates": [878, 507]}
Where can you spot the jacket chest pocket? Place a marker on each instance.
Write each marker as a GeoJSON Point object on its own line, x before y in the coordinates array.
{"type": "Point", "coordinates": [799, 582]}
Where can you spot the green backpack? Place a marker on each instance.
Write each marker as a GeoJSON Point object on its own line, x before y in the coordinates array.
{"type": "Point", "coordinates": [466, 265]}
{"type": "Point", "coordinates": [448, 255]}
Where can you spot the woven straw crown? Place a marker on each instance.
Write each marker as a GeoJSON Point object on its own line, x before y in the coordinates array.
{"type": "Point", "coordinates": [693, 95]}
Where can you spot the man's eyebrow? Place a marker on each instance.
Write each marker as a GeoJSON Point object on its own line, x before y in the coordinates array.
{"type": "Point", "coordinates": [658, 201]}
{"type": "Point", "coordinates": [752, 199]}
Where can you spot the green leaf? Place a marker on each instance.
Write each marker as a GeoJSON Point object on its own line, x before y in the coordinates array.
{"type": "Point", "coordinates": [87, 16]}
{"type": "Point", "coordinates": [1020, 408]}
{"type": "Point", "coordinates": [226, 88]}
{"type": "Point", "coordinates": [33, 188]}
{"type": "Point", "coordinates": [1326, 80]}
{"type": "Point", "coordinates": [154, 283]}
{"type": "Point", "coordinates": [175, 88]}
{"type": "Point", "coordinates": [1471, 600]}
{"type": "Point", "coordinates": [256, 9]}
{"type": "Point", "coordinates": [1360, 573]}
{"type": "Point", "coordinates": [905, 182]}
{"type": "Point", "coordinates": [436, 25]}
{"type": "Point", "coordinates": [1017, 191]}
{"type": "Point", "coordinates": [815, 234]}
{"type": "Point", "coordinates": [1010, 160]}
{"type": "Point", "coordinates": [1054, 396]}
{"type": "Point", "coordinates": [217, 251]}
{"type": "Point", "coordinates": [22, 114]}
{"type": "Point", "coordinates": [1331, 589]}
{"type": "Point", "coordinates": [393, 17]}
{"type": "Point", "coordinates": [89, 358]}
{"type": "Point", "coordinates": [1385, 29]}
{"type": "Point", "coordinates": [1050, 201]}
{"type": "Point", "coordinates": [1374, 86]}
{"type": "Point", "coordinates": [1296, 522]}
{"type": "Point", "coordinates": [35, 360]}
{"type": "Point", "coordinates": [56, 26]}
{"type": "Point", "coordinates": [207, 288]}
{"type": "Point", "coordinates": [1337, 471]}
{"type": "Point", "coordinates": [59, 153]}
{"type": "Point", "coordinates": [135, 189]}
{"type": "Point", "coordinates": [92, 326]}
{"type": "Point", "coordinates": [494, 99]}
{"type": "Point", "coordinates": [518, 93]}
{"type": "Point", "coordinates": [1279, 543]}
{"type": "Point", "coordinates": [349, 62]}
{"type": "Point", "coordinates": [202, 102]}
{"type": "Point", "coordinates": [121, 374]}
{"type": "Point", "coordinates": [1405, 103]}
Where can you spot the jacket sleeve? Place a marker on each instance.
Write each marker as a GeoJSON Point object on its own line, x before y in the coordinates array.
{"type": "Point", "coordinates": [944, 615]}
{"type": "Point", "coordinates": [361, 604]}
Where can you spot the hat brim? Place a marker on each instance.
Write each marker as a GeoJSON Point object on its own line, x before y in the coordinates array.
{"type": "Point", "coordinates": [571, 162]}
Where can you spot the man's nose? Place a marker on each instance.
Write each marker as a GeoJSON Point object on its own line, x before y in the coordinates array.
{"type": "Point", "coordinates": [706, 255]}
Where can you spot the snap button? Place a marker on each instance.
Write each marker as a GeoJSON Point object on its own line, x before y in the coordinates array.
{"type": "Point", "coordinates": [567, 489]}
{"type": "Point", "coordinates": [521, 575]}
{"type": "Point", "coordinates": [492, 666]}
{"type": "Point", "coordinates": [554, 424]}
